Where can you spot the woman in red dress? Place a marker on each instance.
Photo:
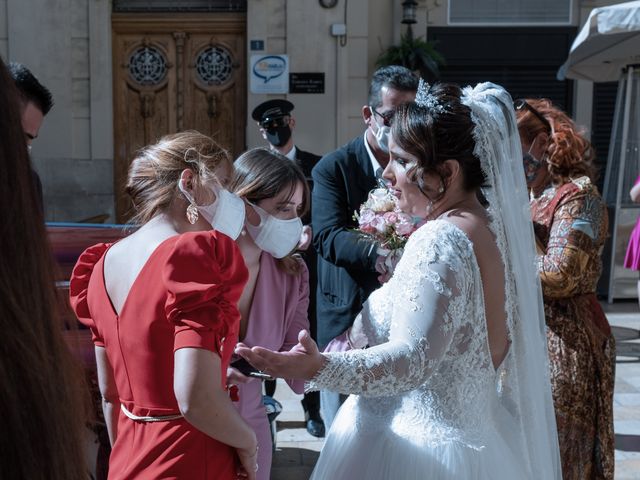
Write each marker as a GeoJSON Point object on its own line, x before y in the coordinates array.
{"type": "Point", "coordinates": [162, 308]}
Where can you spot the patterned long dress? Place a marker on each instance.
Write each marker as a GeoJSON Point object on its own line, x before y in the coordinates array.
{"type": "Point", "coordinates": [571, 226]}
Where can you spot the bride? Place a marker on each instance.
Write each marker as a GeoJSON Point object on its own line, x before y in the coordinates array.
{"type": "Point", "coordinates": [454, 383]}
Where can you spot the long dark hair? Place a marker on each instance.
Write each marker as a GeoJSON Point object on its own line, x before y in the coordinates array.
{"type": "Point", "coordinates": [261, 173]}
{"type": "Point", "coordinates": [41, 388]}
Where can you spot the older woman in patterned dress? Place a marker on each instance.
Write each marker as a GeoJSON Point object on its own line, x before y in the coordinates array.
{"type": "Point", "coordinates": [570, 223]}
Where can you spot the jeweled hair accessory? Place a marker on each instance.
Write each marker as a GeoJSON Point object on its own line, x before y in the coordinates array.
{"type": "Point", "coordinates": [426, 99]}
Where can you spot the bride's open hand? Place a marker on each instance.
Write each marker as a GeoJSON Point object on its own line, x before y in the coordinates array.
{"type": "Point", "coordinates": [303, 361]}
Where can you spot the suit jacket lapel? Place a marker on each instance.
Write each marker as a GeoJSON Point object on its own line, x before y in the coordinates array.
{"type": "Point", "coordinates": [366, 177]}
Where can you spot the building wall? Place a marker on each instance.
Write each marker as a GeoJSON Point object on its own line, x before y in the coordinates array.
{"type": "Point", "coordinates": [3, 29]}
{"type": "Point", "coordinates": [68, 46]}
{"type": "Point", "coordinates": [302, 31]}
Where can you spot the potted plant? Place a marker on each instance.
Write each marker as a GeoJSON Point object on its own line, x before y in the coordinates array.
{"type": "Point", "coordinates": [417, 54]}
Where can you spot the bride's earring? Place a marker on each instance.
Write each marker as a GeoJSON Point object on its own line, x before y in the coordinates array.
{"type": "Point", "coordinates": [441, 189]}
{"type": "Point", "coordinates": [192, 213]}
{"type": "Point", "coordinates": [428, 210]}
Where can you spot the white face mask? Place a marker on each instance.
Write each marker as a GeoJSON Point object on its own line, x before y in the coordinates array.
{"type": "Point", "coordinates": [225, 214]}
{"type": "Point", "coordinates": [274, 235]}
{"type": "Point", "coordinates": [381, 135]}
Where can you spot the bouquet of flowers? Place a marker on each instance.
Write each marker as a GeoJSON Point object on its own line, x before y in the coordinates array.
{"type": "Point", "coordinates": [381, 220]}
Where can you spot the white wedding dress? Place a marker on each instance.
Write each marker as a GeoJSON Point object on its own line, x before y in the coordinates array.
{"type": "Point", "coordinates": [428, 406]}
{"type": "Point", "coordinates": [427, 401]}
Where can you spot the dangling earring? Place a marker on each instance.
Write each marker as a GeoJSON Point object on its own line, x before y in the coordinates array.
{"type": "Point", "coordinates": [192, 213]}
{"type": "Point", "coordinates": [428, 210]}
{"type": "Point", "coordinates": [441, 188]}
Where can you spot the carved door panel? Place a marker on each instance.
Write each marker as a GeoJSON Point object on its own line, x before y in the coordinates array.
{"type": "Point", "coordinates": [172, 73]}
{"type": "Point", "coordinates": [215, 87]}
{"type": "Point", "coordinates": [144, 106]}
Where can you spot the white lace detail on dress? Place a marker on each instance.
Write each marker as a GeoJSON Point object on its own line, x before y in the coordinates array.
{"type": "Point", "coordinates": [376, 326]}
{"type": "Point", "coordinates": [429, 402]}
{"type": "Point", "coordinates": [434, 373]}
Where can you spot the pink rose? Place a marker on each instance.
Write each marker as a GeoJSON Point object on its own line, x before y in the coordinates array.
{"type": "Point", "coordinates": [390, 217]}
{"type": "Point", "coordinates": [366, 216]}
{"type": "Point", "coordinates": [367, 228]}
{"type": "Point", "coordinates": [379, 224]}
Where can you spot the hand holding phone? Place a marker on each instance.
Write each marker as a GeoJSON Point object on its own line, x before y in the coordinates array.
{"type": "Point", "coordinates": [249, 370]}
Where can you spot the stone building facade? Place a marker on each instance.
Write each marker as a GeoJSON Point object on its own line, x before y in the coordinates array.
{"type": "Point", "coordinates": [68, 45]}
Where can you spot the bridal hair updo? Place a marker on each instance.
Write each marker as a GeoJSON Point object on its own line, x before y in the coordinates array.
{"type": "Point", "coordinates": [152, 183]}
{"type": "Point", "coordinates": [435, 128]}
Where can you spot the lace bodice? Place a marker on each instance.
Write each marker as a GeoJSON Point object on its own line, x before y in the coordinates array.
{"type": "Point", "coordinates": [429, 372]}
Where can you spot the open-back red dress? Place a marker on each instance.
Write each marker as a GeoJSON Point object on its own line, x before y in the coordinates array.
{"type": "Point", "coordinates": [185, 296]}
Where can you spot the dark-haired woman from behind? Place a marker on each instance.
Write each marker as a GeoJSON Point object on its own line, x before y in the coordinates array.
{"type": "Point", "coordinates": [162, 308]}
{"type": "Point", "coordinates": [41, 393]}
{"type": "Point", "coordinates": [570, 224]}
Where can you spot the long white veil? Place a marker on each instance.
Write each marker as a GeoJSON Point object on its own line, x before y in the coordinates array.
{"type": "Point", "coordinates": [524, 377]}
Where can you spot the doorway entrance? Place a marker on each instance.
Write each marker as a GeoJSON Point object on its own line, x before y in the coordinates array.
{"type": "Point", "coordinates": [175, 72]}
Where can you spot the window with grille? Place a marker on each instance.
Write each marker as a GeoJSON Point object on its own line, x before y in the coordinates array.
{"type": "Point", "coordinates": [179, 5]}
{"type": "Point", "coordinates": [510, 12]}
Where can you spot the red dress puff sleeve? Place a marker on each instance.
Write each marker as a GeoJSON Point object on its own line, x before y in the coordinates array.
{"type": "Point", "coordinates": [204, 276]}
{"type": "Point", "coordinates": [78, 287]}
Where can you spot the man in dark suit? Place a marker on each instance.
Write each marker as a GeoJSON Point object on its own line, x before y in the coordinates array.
{"type": "Point", "coordinates": [348, 266]}
{"type": "Point", "coordinates": [276, 125]}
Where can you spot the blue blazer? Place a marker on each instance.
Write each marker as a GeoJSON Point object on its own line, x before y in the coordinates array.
{"type": "Point", "coordinates": [346, 262]}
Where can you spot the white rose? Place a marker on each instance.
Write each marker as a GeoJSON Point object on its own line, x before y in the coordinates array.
{"type": "Point", "coordinates": [380, 200]}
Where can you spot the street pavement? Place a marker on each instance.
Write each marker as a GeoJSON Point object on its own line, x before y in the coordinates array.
{"type": "Point", "coordinates": [297, 451]}
{"type": "Point", "coordinates": [624, 318]}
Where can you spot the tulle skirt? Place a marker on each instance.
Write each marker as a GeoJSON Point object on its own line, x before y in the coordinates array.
{"type": "Point", "coordinates": [351, 453]}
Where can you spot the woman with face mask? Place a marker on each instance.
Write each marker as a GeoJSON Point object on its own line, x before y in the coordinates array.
{"type": "Point", "coordinates": [570, 223]}
{"type": "Point", "coordinates": [162, 308]}
{"type": "Point", "coordinates": [273, 306]}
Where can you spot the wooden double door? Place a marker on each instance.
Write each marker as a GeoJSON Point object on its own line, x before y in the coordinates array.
{"type": "Point", "coordinates": [175, 72]}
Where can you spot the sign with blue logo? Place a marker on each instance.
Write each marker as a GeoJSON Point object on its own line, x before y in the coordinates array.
{"type": "Point", "coordinates": [269, 74]}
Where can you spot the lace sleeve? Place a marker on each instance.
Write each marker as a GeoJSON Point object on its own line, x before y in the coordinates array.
{"type": "Point", "coordinates": [427, 294]}
{"type": "Point", "coordinates": [371, 326]}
